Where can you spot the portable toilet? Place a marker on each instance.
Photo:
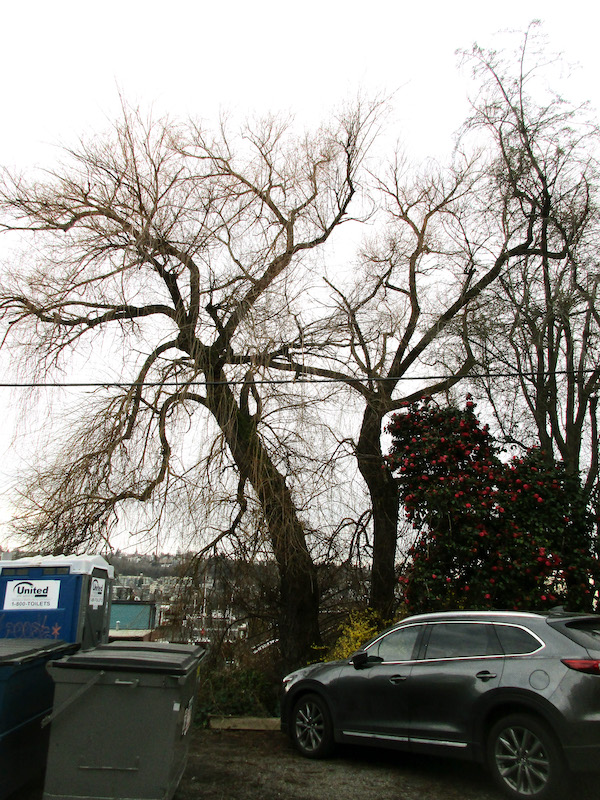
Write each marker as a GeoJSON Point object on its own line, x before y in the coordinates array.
{"type": "Point", "coordinates": [56, 597]}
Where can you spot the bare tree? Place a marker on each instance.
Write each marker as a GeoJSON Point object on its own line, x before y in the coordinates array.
{"type": "Point", "coordinates": [450, 236]}
{"type": "Point", "coordinates": [419, 277]}
{"type": "Point", "coordinates": [536, 332]}
{"type": "Point", "coordinates": [174, 246]}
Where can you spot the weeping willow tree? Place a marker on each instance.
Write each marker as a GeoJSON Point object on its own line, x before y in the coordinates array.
{"type": "Point", "coordinates": [184, 251]}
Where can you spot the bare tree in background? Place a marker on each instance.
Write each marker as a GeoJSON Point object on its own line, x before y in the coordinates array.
{"type": "Point", "coordinates": [538, 327]}
{"type": "Point", "coordinates": [174, 248]}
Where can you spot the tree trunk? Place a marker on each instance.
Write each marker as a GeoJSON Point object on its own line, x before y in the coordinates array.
{"type": "Point", "coordinates": [384, 502]}
{"type": "Point", "coordinates": [299, 594]}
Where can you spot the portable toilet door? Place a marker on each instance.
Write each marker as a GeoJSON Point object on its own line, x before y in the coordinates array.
{"type": "Point", "coordinates": [56, 597]}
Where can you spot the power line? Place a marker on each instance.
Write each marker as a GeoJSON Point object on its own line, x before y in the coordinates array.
{"type": "Point", "coordinates": [301, 379]}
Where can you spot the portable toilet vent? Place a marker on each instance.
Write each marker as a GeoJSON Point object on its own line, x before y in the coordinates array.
{"type": "Point", "coordinates": [56, 597]}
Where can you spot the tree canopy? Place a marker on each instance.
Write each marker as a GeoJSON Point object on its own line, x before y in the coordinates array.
{"type": "Point", "coordinates": [253, 378]}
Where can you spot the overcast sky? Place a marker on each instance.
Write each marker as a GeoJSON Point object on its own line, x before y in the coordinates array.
{"type": "Point", "coordinates": [64, 63]}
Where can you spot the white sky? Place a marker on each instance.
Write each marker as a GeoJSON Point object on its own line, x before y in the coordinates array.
{"type": "Point", "coordinates": [63, 64]}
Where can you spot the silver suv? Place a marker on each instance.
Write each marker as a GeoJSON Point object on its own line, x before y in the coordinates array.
{"type": "Point", "coordinates": [517, 691]}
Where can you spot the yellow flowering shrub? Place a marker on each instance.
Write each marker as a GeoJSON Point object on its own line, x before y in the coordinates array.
{"type": "Point", "coordinates": [360, 627]}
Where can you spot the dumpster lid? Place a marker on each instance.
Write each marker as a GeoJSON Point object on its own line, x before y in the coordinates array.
{"type": "Point", "coordinates": [136, 659]}
{"type": "Point", "coordinates": [78, 565]}
{"type": "Point", "coordinates": [199, 651]}
{"type": "Point", "coordinates": [17, 651]}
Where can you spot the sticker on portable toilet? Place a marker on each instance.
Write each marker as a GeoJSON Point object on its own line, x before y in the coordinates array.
{"type": "Point", "coordinates": [22, 595]}
{"type": "Point", "coordinates": [97, 592]}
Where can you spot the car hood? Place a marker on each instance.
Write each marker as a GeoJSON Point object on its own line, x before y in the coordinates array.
{"type": "Point", "coordinates": [311, 671]}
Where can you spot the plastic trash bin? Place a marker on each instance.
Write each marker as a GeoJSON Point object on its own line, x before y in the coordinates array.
{"type": "Point", "coordinates": [157, 647]}
{"type": "Point", "coordinates": [56, 597]}
{"type": "Point", "coordinates": [26, 694]}
{"type": "Point", "coordinates": [120, 724]}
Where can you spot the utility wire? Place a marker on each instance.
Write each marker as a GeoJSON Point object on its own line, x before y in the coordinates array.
{"type": "Point", "coordinates": [306, 379]}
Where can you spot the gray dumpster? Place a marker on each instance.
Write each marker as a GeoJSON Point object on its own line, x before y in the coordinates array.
{"type": "Point", "coordinates": [120, 724]}
{"type": "Point", "coordinates": [26, 694]}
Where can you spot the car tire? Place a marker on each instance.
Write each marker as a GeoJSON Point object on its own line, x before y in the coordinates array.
{"type": "Point", "coordinates": [312, 729]}
{"type": "Point", "coordinates": [525, 759]}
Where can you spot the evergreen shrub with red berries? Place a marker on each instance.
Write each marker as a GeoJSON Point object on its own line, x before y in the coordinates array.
{"type": "Point", "coordinates": [490, 533]}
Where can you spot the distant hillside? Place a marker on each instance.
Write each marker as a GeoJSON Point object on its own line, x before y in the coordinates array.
{"type": "Point", "coordinates": [152, 566]}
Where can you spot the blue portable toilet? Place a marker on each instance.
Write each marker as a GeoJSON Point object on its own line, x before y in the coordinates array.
{"type": "Point", "coordinates": [56, 597]}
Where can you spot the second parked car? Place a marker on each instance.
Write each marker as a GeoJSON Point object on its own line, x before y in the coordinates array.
{"type": "Point", "coordinates": [517, 691]}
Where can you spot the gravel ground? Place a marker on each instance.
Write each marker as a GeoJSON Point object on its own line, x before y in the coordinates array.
{"type": "Point", "coordinates": [236, 765]}
{"type": "Point", "coordinates": [262, 765]}
{"type": "Point", "coordinates": [244, 765]}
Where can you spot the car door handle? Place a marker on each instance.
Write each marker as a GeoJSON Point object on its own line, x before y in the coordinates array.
{"type": "Point", "coordinates": [485, 675]}
{"type": "Point", "coordinates": [398, 678]}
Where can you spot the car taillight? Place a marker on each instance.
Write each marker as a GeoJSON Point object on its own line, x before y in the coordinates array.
{"type": "Point", "coordinates": [589, 665]}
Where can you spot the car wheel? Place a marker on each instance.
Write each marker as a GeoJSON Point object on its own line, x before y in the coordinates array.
{"type": "Point", "coordinates": [525, 759]}
{"type": "Point", "coordinates": [312, 730]}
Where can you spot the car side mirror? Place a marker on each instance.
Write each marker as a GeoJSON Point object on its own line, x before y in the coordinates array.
{"type": "Point", "coordinates": [362, 659]}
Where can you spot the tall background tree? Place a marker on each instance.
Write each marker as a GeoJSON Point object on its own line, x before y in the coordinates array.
{"type": "Point", "coordinates": [448, 240]}
{"type": "Point", "coordinates": [189, 261]}
{"type": "Point", "coordinates": [534, 334]}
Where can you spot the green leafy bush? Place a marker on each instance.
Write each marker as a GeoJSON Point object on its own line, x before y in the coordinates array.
{"type": "Point", "coordinates": [230, 691]}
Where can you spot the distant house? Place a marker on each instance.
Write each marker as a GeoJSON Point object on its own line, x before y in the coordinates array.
{"type": "Point", "coordinates": [132, 620]}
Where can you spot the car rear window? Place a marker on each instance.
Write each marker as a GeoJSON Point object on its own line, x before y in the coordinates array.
{"type": "Point", "coordinates": [517, 641]}
{"type": "Point", "coordinates": [585, 632]}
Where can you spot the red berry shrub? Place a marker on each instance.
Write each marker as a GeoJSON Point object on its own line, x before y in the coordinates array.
{"type": "Point", "coordinates": [490, 534]}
